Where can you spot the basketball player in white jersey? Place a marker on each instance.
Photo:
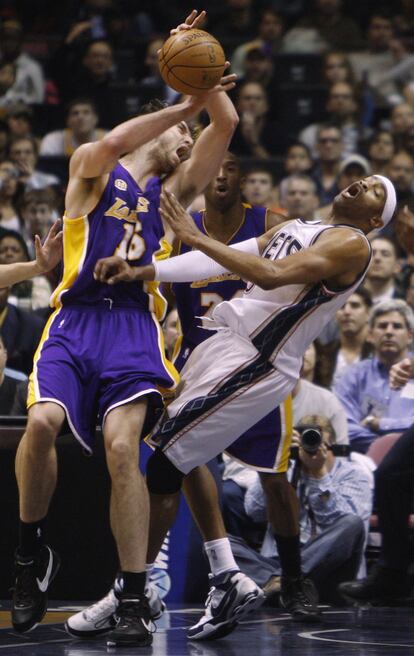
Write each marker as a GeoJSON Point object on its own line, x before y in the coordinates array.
{"type": "Point", "coordinates": [300, 274]}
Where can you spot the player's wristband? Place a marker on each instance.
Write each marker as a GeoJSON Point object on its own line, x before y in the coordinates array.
{"type": "Point", "coordinates": [195, 265]}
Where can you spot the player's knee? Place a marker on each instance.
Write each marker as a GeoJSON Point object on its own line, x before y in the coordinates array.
{"type": "Point", "coordinates": [43, 425]}
{"type": "Point", "coordinates": [162, 476]}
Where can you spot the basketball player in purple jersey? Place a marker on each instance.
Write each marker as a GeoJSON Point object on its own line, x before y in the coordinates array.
{"type": "Point", "coordinates": [101, 354]}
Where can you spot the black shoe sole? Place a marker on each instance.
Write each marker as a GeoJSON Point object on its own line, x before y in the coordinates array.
{"type": "Point", "coordinates": [87, 634]}
{"type": "Point", "coordinates": [124, 642]}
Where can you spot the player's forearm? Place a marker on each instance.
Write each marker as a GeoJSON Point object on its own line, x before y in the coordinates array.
{"type": "Point", "coordinates": [137, 131]}
{"type": "Point", "coordinates": [10, 274]}
{"type": "Point", "coordinates": [222, 112]}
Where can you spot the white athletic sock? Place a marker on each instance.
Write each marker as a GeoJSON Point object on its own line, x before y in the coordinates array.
{"type": "Point", "coordinates": [220, 556]}
{"type": "Point", "coordinates": [148, 568]}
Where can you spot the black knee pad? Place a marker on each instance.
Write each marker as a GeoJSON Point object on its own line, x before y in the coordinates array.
{"type": "Point", "coordinates": [162, 476]}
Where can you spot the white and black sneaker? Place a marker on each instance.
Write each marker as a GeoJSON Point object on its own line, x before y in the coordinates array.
{"type": "Point", "coordinates": [232, 596]}
{"type": "Point", "coordinates": [100, 617]}
{"type": "Point", "coordinates": [32, 580]}
{"type": "Point", "coordinates": [134, 626]}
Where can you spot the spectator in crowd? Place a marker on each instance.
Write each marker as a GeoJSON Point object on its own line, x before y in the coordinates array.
{"type": "Point", "coordinates": [81, 127]}
{"type": "Point", "coordinates": [409, 287]}
{"type": "Point", "coordinates": [258, 189]}
{"type": "Point", "coordinates": [329, 146]}
{"type": "Point", "coordinates": [171, 331]}
{"type": "Point", "coordinates": [236, 22]}
{"type": "Point", "coordinates": [336, 68]}
{"type": "Point", "coordinates": [369, 65]}
{"type": "Point", "coordinates": [7, 80]}
{"type": "Point", "coordinates": [21, 332]}
{"type": "Point", "coordinates": [268, 40]}
{"type": "Point", "coordinates": [297, 159]}
{"type": "Point", "coordinates": [19, 119]}
{"type": "Point", "coordinates": [381, 149]}
{"type": "Point", "coordinates": [29, 294]}
{"type": "Point", "coordinates": [152, 85]}
{"type": "Point", "coordinates": [323, 28]}
{"type": "Point", "coordinates": [38, 211]}
{"type": "Point", "coordinates": [351, 345]}
{"type": "Point", "coordinates": [299, 197]}
{"type": "Point", "coordinates": [343, 111]}
{"type": "Point", "coordinates": [10, 189]}
{"type": "Point", "coordinates": [352, 168]}
{"type": "Point", "coordinates": [24, 154]}
{"type": "Point", "coordinates": [335, 506]}
{"type": "Point", "coordinates": [8, 385]}
{"type": "Point", "coordinates": [259, 67]}
{"type": "Point", "coordinates": [29, 85]}
{"type": "Point", "coordinates": [255, 135]}
{"type": "Point", "coordinates": [401, 173]}
{"type": "Point", "coordinates": [372, 407]}
{"type": "Point", "coordinates": [4, 139]}
{"type": "Point", "coordinates": [91, 75]}
{"type": "Point", "coordinates": [402, 119]}
{"type": "Point", "coordinates": [381, 279]}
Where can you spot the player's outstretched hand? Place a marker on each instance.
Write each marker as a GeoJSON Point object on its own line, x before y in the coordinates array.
{"type": "Point", "coordinates": [179, 220]}
{"type": "Point", "coordinates": [192, 21]}
{"type": "Point", "coordinates": [50, 252]}
{"type": "Point", "coordinates": [400, 373]}
{"type": "Point", "coordinates": [113, 269]}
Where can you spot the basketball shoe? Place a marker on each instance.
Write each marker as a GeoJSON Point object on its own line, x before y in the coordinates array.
{"type": "Point", "coordinates": [300, 598]}
{"type": "Point", "coordinates": [382, 587]}
{"type": "Point", "coordinates": [99, 618]}
{"type": "Point", "coordinates": [32, 581]}
{"type": "Point", "coordinates": [232, 596]}
{"type": "Point", "coordinates": [134, 626]}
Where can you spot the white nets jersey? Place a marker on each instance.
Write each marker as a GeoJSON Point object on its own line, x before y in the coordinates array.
{"type": "Point", "coordinates": [283, 322]}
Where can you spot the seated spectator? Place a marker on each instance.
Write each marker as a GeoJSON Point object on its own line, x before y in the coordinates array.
{"type": "Point", "coordinates": [81, 121]}
{"type": "Point", "coordinates": [335, 505]}
{"type": "Point", "coordinates": [381, 149]}
{"type": "Point", "coordinates": [381, 278]}
{"type": "Point", "coordinates": [372, 407]}
{"type": "Point", "coordinates": [4, 139]}
{"type": "Point", "coordinates": [19, 119]}
{"type": "Point", "coordinates": [152, 85]}
{"type": "Point", "coordinates": [259, 67]}
{"type": "Point", "coordinates": [29, 85]}
{"type": "Point", "coordinates": [10, 190]}
{"type": "Point", "coordinates": [402, 119]}
{"type": "Point", "coordinates": [28, 294]}
{"type": "Point", "coordinates": [255, 135]}
{"type": "Point", "coordinates": [329, 146]}
{"type": "Point", "coordinates": [299, 197]}
{"type": "Point", "coordinates": [38, 211]}
{"type": "Point", "coordinates": [401, 173]}
{"type": "Point", "coordinates": [9, 386]}
{"type": "Point", "coordinates": [343, 111]}
{"type": "Point", "coordinates": [171, 331]}
{"type": "Point", "coordinates": [337, 68]}
{"type": "Point", "coordinates": [351, 169]}
{"type": "Point", "coordinates": [7, 80]}
{"type": "Point", "coordinates": [24, 154]}
{"type": "Point", "coordinates": [258, 189]}
{"type": "Point", "coordinates": [236, 22]}
{"type": "Point", "coordinates": [351, 346]}
{"type": "Point", "coordinates": [297, 159]}
{"type": "Point", "coordinates": [21, 332]}
{"type": "Point", "coordinates": [268, 40]}
{"type": "Point", "coordinates": [323, 28]}
{"type": "Point", "coordinates": [370, 64]}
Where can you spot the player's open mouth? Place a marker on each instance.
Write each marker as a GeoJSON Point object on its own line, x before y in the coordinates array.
{"type": "Point", "coordinates": [353, 190]}
{"type": "Point", "coordinates": [183, 153]}
{"type": "Point", "coordinates": [221, 189]}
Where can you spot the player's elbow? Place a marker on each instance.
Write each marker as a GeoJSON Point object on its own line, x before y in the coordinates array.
{"type": "Point", "coordinates": [267, 282]}
{"type": "Point", "coordinates": [113, 147]}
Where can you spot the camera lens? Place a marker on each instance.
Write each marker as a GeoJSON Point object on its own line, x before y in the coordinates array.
{"type": "Point", "coordinates": [310, 440]}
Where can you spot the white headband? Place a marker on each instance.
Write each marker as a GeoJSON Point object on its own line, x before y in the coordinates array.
{"type": "Point", "coordinates": [390, 199]}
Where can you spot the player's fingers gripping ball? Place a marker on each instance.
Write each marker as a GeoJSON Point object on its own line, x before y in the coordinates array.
{"type": "Point", "coordinates": [192, 61]}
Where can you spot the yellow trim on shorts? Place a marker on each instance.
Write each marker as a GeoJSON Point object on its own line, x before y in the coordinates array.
{"type": "Point", "coordinates": [157, 301]}
{"type": "Point", "coordinates": [33, 394]}
{"type": "Point", "coordinates": [168, 366]}
{"type": "Point", "coordinates": [287, 429]}
{"type": "Point", "coordinates": [75, 242]}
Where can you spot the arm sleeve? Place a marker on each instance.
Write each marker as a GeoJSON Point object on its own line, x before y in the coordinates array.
{"type": "Point", "coordinates": [195, 265]}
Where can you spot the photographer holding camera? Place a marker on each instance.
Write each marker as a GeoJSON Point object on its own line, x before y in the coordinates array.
{"type": "Point", "coordinates": [335, 505]}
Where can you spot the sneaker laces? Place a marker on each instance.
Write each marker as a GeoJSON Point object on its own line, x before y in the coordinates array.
{"type": "Point", "coordinates": [25, 585]}
{"type": "Point", "coordinates": [104, 606]}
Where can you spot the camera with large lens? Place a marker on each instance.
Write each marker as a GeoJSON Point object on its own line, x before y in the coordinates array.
{"type": "Point", "coordinates": [311, 438]}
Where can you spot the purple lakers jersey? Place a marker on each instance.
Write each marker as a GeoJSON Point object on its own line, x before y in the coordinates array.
{"type": "Point", "coordinates": [125, 222]}
{"type": "Point", "coordinates": [197, 299]}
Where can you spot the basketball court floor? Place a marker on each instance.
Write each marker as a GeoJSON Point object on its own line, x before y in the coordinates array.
{"type": "Point", "coordinates": [269, 632]}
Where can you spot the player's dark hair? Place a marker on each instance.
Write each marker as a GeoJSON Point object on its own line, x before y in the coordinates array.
{"type": "Point", "coordinates": [152, 106]}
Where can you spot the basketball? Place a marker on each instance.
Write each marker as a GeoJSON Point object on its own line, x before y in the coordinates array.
{"type": "Point", "coordinates": [191, 61]}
